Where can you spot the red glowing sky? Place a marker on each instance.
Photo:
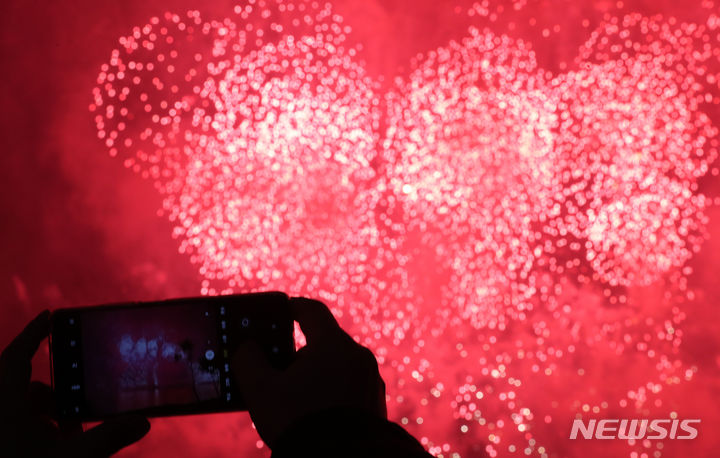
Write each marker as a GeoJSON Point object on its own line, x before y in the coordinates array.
{"type": "Point", "coordinates": [511, 206]}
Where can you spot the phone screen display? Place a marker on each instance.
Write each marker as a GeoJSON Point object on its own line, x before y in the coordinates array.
{"type": "Point", "coordinates": [166, 358]}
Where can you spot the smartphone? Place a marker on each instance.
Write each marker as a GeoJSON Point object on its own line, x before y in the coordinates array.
{"type": "Point", "coordinates": [172, 357]}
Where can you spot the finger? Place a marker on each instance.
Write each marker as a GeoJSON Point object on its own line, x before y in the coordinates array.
{"type": "Point", "coordinates": [315, 318]}
{"type": "Point", "coordinates": [42, 427]}
{"type": "Point", "coordinates": [251, 370]}
{"type": "Point", "coordinates": [41, 403]}
{"type": "Point", "coordinates": [107, 438]}
{"type": "Point", "coordinates": [69, 428]}
{"type": "Point", "coordinates": [382, 399]}
{"type": "Point", "coordinates": [27, 342]}
{"type": "Point", "coordinates": [41, 400]}
{"type": "Point", "coordinates": [16, 359]}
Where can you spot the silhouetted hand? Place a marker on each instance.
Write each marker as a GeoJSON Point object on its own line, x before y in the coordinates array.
{"type": "Point", "coordinates": [331, 371]}
{"type": "Point", "coordinates": [27, 426]}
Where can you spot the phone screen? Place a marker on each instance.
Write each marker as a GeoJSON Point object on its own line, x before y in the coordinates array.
{"type": "Point", "coordinates": [162, 358]}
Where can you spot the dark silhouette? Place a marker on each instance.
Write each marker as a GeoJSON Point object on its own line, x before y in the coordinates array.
{"type": "Point", "coordinates": [330, 402]}
{"type": "Point", "coordinates": [27, 428]}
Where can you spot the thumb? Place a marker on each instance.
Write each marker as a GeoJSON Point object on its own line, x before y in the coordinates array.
{"type": "Point", "coordinates": [16, 361]}
{"type": "Point", "coordinates": [252, 370]}
{"type": "Point", "coordinates": [107, 438]}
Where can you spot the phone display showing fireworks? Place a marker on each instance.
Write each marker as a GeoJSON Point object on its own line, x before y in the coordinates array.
{"type": "Point", "coordinates": [148, 357]}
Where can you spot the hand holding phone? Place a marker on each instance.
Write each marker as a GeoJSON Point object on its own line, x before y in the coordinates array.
{"type": "Point", "coordinates": [331, 372]}
{"type": "Point", "coordinates": [328, 400]}
{"type": "Point", "coordinates": [163, 358]}
{"type": "Point", "coordinates": [27, 416]}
